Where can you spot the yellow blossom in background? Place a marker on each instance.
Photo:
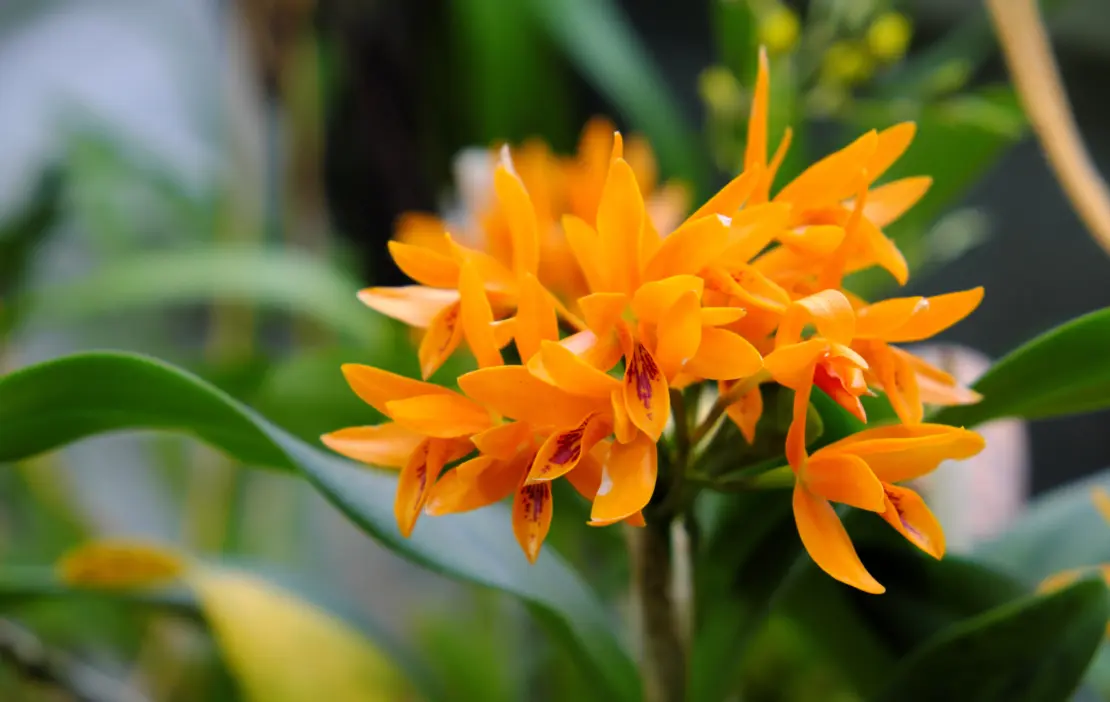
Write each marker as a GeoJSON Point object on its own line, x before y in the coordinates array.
{"type": "Point", "coordinates": [613, 301]}
{"type": "Point", "coordinates": [847, 62]}
{"type": "Point", "coordinates": [888, 37]}
{"type": "Point", "coordinates": [779, 29]}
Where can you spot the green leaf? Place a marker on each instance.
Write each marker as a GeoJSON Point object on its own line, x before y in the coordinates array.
{"type": "Point", "coordinates": [51, 404]}
{"type": "Point", "coordinates": [599, 41]}
{"type": "Point", "coordinates": [1059, 531]}
{"type": "Point", "coordinates": [274, 278]}
{"type": "Point", "coordinates": [1063, 371]}
{"type": "Point", "coordinates": [1032, 650]}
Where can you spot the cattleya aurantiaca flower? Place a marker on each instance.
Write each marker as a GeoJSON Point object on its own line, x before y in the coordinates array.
{"type": "Point", "coordinates": [618, 309]}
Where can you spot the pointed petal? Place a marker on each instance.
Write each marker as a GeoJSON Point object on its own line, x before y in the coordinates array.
{"type": "Point", "coordinates": [720, 316]}
{"type": "Point", "coordinates": [752, 230]}
{"type": "Point", "coordinates": [730, 198]}
{"type": "Point", "coordinates": [440, 340]}
{"type": "Point", "coordinates": [504, 440]}
{"type": "Point", "coordinates": [514, 392]}
{"type": "Point", "coordinates": [536, 319]}
{"type": "Point", "coordinates": [646, 396]}
{"type": "Point", "coordinates": [909, 319]}
{"type": "Point", "coordinates": [586, 476]}
{"type": "Point", "coordinates": [724, 355]}
{"type": "Point", "coordinates": [421, 229]}
{"type": "Point", "coordinates": [620, 216]}
{"type": "Point", "coordinates": [882, 251]}
{"type": "Point", "coordinates": [750, 286]}
{"type": "Point", "coordinates": [623, 428]}
{"type": "Point", "coordinates": [601, 353]}
{"type": "Point", "coordinates": [415, 482]}
{"type": "Point", "coordinates": [899, 382]}
{"type": "Point", "coordinates": [817, 240]}
{"type": "Point", "coordinates": [745, 412]}
{"type": "Point", "coordinates": [763, 189]}
{"type": "Point", "coordinates": [689, 249]}
{"type": "Point", "coordinates": [892, 143]}
{"type": "Point", "coordinates": [796, 435]}
{"type": "Point", "coordinates": [503, 331]}
{"type": "Point", "coordinates": [573, 374]}
{"type": "Point", "coordinates": [442, 416]}
{"type": "Point", "coordinates": [583, 243]}
{"type": "Point", "coordinates": [602, 311]}
{"type": "Point", "coordinates": [679, 334]}
{"type": "Point", "coordinates": [793, 365]}
{"type": "Point", "coordinates": [844, 478]}
{"type": "Point", "coordinates": [827, 541]}
{"type": "Point", "coordinates": [908, 513]}
{"type": "Point", "coordinates": [424, 265]}
{"type": "Point", "coordinates": [477, 483]}
{"type": "Point", "coordinates": [521, 217]}
{"type": "Point", "coordinates": [627, 481]}
{"type": "Point", "coordinates": [755, 154]}
{"type": "Point", "coordinates": [829, 311]}
{"type": "Point", "coordinates": [934, 385]}
{"type": "Point", "coordinates": [477, 318]}
{"type": "Point", "coordinates": [532, 510]}
{"type": "Point", "coordinates": [653, 299]}
{"type": "Point", "coordinates": [562, 450]}
{"type": "Point", "coordinates": [886, 203]}
{"type": "Point", "coordinates": [903, 452]}
{"type": "Point", "coordinates": [495, 276]}
{"type": "Point", "coordinates": [386, 445]}
{"type": "Point", "coordinates": [415, 305]}
{"type": "Point", "coordinates": [833, 178]}
{"type": "Point", "coordinates": [376, 387]}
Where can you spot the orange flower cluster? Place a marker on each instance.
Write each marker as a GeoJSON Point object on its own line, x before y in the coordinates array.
{"type": "Point", "coordinates": [610, 304]}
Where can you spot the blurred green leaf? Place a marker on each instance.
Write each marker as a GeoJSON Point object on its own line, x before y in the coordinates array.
{"type": "Point", "coordinates": [599, 40]}
{"type": "Point", "coordinates": [513, 88]}
{"type": "Point", "coordinates": [958, 139]}
{"type": "Point", "coordinates": [48, 405]}
{"type": "Point", "coordinates": [280, 279]}
{"type": "Point", "coordinates": [1032, 650]}
{"type": "Point", "coordinates": [1058, 531]}
{"type": "Point", "coordinates": [1064, 371]}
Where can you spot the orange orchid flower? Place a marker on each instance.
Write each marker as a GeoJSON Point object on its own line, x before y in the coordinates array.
{"type": "Point", "coordinates": [909, 382]}
{"type": "Point", "coordinates": [862, 471]}
{"type": "Point", "coordinates": [551, 434]}
{"type": "Point", "coordinates": [431, 426]}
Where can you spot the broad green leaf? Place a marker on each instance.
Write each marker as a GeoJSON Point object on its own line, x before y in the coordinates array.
{"type": "Point", "coordinates": [51, 404]}
{"type": "Point", "coordinates": [1063, 371]}
{"type": "Point", "coordinates": [1059, 531]}
{"type": "Point", "coordinates": [600, 42]}
{"type": "Point", "coordinates": [282, 649]}
{"type": "Point", "coordinates": [274, 278]}
{"type": "Point", "coordinates": [1032, 650]}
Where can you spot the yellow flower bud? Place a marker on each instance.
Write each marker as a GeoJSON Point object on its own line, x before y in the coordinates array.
{"type": "Point", "coordinates": [120, 565]}
{"type": "Point", "coordinates": [888, 36]}
{"type": "Point", "coordinates": [720, 91]}
{"type": "Point", "coordinates": [778, 29]}
{"type": "Point", "coordinates": [846, 63]}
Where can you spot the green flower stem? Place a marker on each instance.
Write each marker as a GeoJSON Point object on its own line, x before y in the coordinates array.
{"type": "Point", "coordinates": [726, 400]}
{"type": "Point", "coordinates": [664, 660]}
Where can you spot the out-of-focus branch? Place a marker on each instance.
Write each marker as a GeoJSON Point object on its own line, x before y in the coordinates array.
{"type": "Point", "coordinates": [1028, 53]}
{"type": "Point", "coordinates": [33, 661]}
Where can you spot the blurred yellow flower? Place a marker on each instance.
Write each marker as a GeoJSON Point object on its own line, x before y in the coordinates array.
{"type": "Point", "coordinates": [847, 63]}
{"type": "Point", "coordinates": [889, 36]}
{"type": "Point", "coordinates": [779, 29]}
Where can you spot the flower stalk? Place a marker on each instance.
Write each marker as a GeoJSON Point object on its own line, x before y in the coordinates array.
{"type": "Point", "coordinates": [665, 653]}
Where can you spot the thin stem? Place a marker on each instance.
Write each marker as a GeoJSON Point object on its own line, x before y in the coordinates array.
{"type": "Point", "coordinates": [681, 460]}
{"type": "Point", "coordinates": [663, 667]}
{"type": "Point", "coordinates": [726, 400]}
{"type": "Point", "coordinates": [1028, 53]}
